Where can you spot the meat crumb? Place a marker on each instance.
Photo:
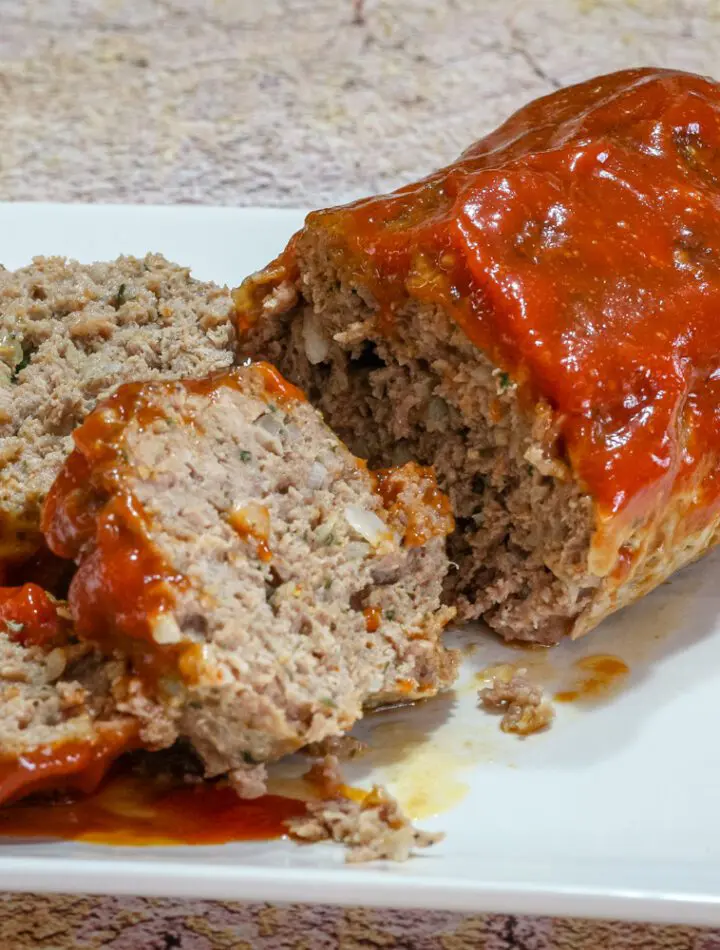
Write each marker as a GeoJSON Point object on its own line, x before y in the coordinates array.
{"type": "Point", "coordinates": [250, 782]}
{"type": "Point", "coordinates": [524, 707]}
{"type": "Point", "coordinates": [371, 830]}
{"type": "Point", "coordinates": [342, 747]}
{"type": "Point", "coordinates": [71, 695]}
{"type": "Point", "coordinates": [326, 778]}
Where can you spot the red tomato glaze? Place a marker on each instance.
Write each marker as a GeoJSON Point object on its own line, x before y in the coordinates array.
{"type": "Point", "coordinates": [579, 245]}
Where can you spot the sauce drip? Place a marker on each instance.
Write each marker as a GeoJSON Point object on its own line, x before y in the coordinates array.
{"type": "Point", "coordinates": [598, 676]}
{"type": "Point", "coordinates": [133, 811]}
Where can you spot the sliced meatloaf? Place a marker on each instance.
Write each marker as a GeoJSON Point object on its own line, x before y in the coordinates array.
{"type": "Point", "coordinates": [539, 322]}
{"type": "Point", "coordinates": [60, 718]}
{"type": "Point", "coordinates": [69, 334]}
{"type": "Point", "coordinates": [263, 582]}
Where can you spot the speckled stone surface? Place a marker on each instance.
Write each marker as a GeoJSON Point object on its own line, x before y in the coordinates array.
{"type": "Point", "coordinates": [296, 102]}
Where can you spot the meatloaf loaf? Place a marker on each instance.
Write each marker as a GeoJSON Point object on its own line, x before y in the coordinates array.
{"type": "Point", "coordinates": [540, 321]}
{"type": "Point", "coordinates": [69, 334]}
{"type": "Point", "coordinates": [262, 581]}
{"type": "Point", "coordinates": [60, 721]}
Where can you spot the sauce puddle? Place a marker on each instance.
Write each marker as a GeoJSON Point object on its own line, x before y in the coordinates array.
{"type": "Point", "coordinates": [132, 810]}
{"type": "Point", "coordinates": [598, 676]}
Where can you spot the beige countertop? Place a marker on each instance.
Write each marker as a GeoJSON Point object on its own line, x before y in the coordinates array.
{"type": "Point", "coordinates": [296, 103]}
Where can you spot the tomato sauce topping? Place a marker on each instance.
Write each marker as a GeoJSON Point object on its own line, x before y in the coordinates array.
{"type": "Point", "coordinates": [579, 246]}
{"type": "Point", "coordinates": [31, 617]}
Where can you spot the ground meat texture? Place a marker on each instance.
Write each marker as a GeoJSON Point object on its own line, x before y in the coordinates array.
{"type": "Point", "coordinates": [233, 547]}
{"type": "Point", "coordinates": [61, 721]}
{"type": "Point", "coordinates": [523, 705]}
{"type": "Point", "coordinates": [500, 320]}
{"type": "Point", "coordinates": [373, 829]}
{"type": "Point", "coordinates": [69, 334]}
{"type": "Point", "coordinates": [523, 532]}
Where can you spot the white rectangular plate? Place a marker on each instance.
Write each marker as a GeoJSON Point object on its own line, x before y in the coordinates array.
{"type": "Point", "coordinates": [613, 812]}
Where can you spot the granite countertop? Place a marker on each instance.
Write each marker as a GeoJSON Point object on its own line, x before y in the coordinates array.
{"type": "Point", "coordinates": [296, 102]}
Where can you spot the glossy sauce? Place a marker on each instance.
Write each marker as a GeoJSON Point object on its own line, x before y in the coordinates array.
{"type": "Point", "coordinates": [598, 676]}
{"type": "Point", "coordinates": [131, 810]}
{"type": "Point", "coordinates": [579, 246]}
{"type": "Point", "coordinates": [373, 618]}
{"type": "Point", "coordinates": [29, 616]}
{"type": "Point", "coordinates": [78, 765]}
{"type": "Point", "coordinates": [277, 386]}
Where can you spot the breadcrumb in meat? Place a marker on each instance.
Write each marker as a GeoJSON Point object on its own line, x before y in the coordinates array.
{"type": "Point", "coordinates": [373, 829]}
{"type": "Point", "coordinates": [524, 707]}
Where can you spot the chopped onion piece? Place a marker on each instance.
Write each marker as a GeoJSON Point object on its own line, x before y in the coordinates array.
{"type": "Point", "coordinates": [367, 524]}
{"type": "Point", "coordinates": [317, 346]}
{"type": "Point", "coordinates": [166, 630]}
{"type": "Point", "coordinates": [271, 423]}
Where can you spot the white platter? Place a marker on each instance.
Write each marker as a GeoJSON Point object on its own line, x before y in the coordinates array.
{"type": "Point", "coordinates": [613, 812]}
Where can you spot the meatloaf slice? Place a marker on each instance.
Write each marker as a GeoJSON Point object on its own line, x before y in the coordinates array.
{"type": "Point", "coordinates": [539, 322]}
{"type": "Point", "coordinates": [60, 718]}
{"type": "Point", "coordinates": [70, 333]}
{"type": "Point", "coordinates": [263, 581]}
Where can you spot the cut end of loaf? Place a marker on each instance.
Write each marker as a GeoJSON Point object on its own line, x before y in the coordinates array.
{"type": "Point", "coordinates": [523, 525]}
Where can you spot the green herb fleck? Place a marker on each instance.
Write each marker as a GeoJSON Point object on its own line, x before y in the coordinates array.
{"type": "Point", "coordinates": [330, 539]}
{"type": "Point", "coordinates": [390, 614]}
{"type": "Point", "coordinates": [530, 470]}
{"type": "Point", "coordinates": [328, 583]}
{"type": "Point", "coordinates": [329, 703]}
{"type": "Point", "coordinates": [245, 456]}
{"type": "Point", "coordinates": [20, 366]}
{"type": "Point", "coordinates": [247, 757]}
{"type": "Point", "coordinates": [505, 382]}
{"type": "Point", "coordinates": [120, 297]}
{"type": "Point", "coordinates": [272, 407]}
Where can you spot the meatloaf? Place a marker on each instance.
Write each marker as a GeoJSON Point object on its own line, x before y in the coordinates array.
{"type": "Point", "coordinates": [60, 721]}
{"type": "Point", "coordinates": [263, 582]}
{"type": "Point", "coordinates": [69, 334]}
{"type": "Point", "coordinates": [539, 321]}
